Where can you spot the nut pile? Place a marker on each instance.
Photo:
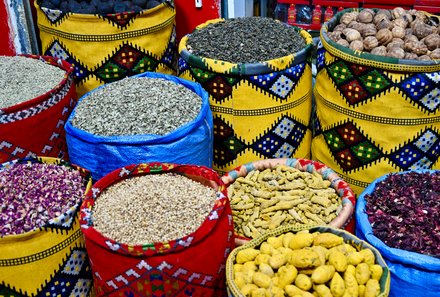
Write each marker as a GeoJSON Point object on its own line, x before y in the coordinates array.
{"type": "Point", "coordinates": [398, 33]}
{"type": "Point", "coordinates": [152, 208]}
{"type": "Point", "coordinates": [23, 79]}
{"type": "Point", "coordinates": [134, 106]}
{"type": "Point", "coordinates": [33, 194]}
{"type": "Point", "coordinates": [307, 264]}
{"type": "Point", "coordinates": [265, 200]}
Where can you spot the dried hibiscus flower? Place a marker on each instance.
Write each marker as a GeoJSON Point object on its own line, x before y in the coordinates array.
{"type": "Point", "coordinates": [404, 211]}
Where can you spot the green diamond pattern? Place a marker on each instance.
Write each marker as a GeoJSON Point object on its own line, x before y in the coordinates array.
{"type": "Point", "coordinates": [333, 140]}
{"type": "Point", "coordinates": [202, 76]}
{"type": "Point", "coordinates": [339, 72]}
{"type": "Point", "coordinates": [365, 152]}
{"type": "Point", "coordinates": [375, 82]}
{"type": "Point", "coordinates": [145, 64]}
{"type": "Point", "coordinates": [111, 72]}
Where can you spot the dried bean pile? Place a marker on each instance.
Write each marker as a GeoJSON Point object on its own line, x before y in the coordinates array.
{"type": "Point", "coordinates": [245, 40]}
{"type": "Point", "coordinates": [404, 212]}
{"type": "Point", "coordinates": [33, 194]}
{"type": "Point", "coordinates": [265, 200]}
{"type": "Point", "coordinates": [135, 106]}
{"type": "Point", "coordinates": [152, 208]}
{"type": "Point", "coordinates": [22, 79]}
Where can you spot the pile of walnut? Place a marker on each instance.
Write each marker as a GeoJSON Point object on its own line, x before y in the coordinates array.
{"type": "Point", "coordinates": [307, 264]}
{"type": "Point", "coordinates": [399, 33]}
{"type": "Point", "coordinates": [265, 200]}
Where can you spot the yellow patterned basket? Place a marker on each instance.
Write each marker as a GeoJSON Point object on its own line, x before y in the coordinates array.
{"type": "Point", "coordinates": [261, 110]}
{"type": "Point", "coordinates": [51, 260]}
{"type": "Point", "coordinates": [106, 48]}
{"type": "Point", "coordinates": [374, 114]}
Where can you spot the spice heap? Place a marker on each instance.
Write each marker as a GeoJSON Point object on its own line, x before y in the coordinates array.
{"type": "Point", "coordinates": [152, 208]}
{"type": "Point", "coordinates": [245, 40]}
{"type": "Point", "coordinates": [33, 194]}
{"type": "Point", "coordinates": [134, 106]}
{"type": "Point", "coordinates": [307, 264]}
{"type": "Point", "coordinates": [265, 200]}
{"type": "Point", "coordinates": [398, 33]}
{"type": "Point", "coordinates": [100, 6]}
{"type": "Point", "coordinates": [22, 79]}
{"type": "Point", "coordinates": [404, 212]}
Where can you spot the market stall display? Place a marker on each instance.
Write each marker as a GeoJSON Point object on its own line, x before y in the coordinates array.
{"type": "Point", "coordinates": [176, 244]}
{"type": "Point", "coordinates": [149, 117]}
{"type": "Point", "coordinates": [304, 261]}
{"type": "Point", "coordinates": [270, 193]}
{"type": "Point", "coordinates": [374, 114]}
{"type": "Point", "coordinates": [108, 46]}
{"type": "Point", "coordinates": [42, 251]}
{"type": "Point", "coordinates": [259, 84]}
{"type": "Point", "coordinates": [397, 214]}
{"type": "Point", "coordinates": [37, 95]}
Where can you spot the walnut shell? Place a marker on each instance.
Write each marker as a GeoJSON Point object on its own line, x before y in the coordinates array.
{"type": "Point", "coordinates": [384, 36]}
{"type": "Point", "coordinates": [357, 45]}
{"type": "Point", "coordinates": [343, 42]}
{"type": "Point", "coordinates": [401, 22]}
{"type": "Point", "coordinates": [432, 41]}
{"type": "Point", "coordinates": [398, 32]}
{"type": "Point", "coordinates": [366, 16]}
{"type": "Point", "coordinates": [416, 47]}
{"type": "Point", "coordinates": [398, 12]}
{"type": "Point", "coordinates": [385, 24]}
{"type": "Point", "coordinates": [370, 42]}
{"type": "Point", "coordinates": [396, 52]}
{"type": "Point", "coordinates": [421, 16]}
{"type": "Point", "coordinates": [410, 56]}
{"type": "Point", "coordinates": [351, 34]}
{"type": "Point", "coordinates": [386, 12]}
{"type": "Point", "coordinates": [355, 25]}
{"type": "Point", "coordinates": [421, 30]}
{"type": "Point", "coordinates": [410, 37]}
{"type": "Point", "coordinates": [368, 30]}
{"type": "Point", "coordinates": [380, 51]}
{"type": "Point", "coordinates": [335, 36]}
{"type": "Point", "coordinates": [395, 44]}
{"type": "Point", "coordinates": [348, 17]}
{"type": "Point", "coordinates": [435, 54]}
{"type": "Point", "coordinates": [399, 41]}
{"type": "Point", "coordinates": [379, 17]}
{"type": "Point", "coordinates": [424, 58]}
{"type": "Point", "coordinates": [339, 27]}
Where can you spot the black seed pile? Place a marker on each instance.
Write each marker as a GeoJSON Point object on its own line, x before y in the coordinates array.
{"type": "Point", "coordinates": [245, 40]}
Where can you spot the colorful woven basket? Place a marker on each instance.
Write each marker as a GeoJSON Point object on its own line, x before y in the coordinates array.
{"type": "Point", "coordinates": [106, 48]}
{"type": "Point", "coordinates": [261, 110]}
{"type": "Point", "coordinates": [51, 260]}
{"type": "Point", "coordinates": [344, 218]}
{"type": "Point", "coordinates": [36, 127]}
{"type": "Point", "coordinates": [234, 291]}
{"type": "Point", "coordinates": [193, 265]}
{"type": "Point", "coordinates": [374, 114]}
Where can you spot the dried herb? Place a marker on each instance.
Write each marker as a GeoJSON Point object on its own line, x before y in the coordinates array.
{"type": "Point", "coordinates": [404, 212]}
{"type": "Point", "coordinates": [33, 194]}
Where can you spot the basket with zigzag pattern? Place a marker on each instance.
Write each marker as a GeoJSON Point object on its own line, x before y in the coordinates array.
{"type": "Point", "coordinates": [261, 110]}
{"type": "Point", "coordinates": [374, 114]}
{"type": "Point", "coordinates": [106, 48]}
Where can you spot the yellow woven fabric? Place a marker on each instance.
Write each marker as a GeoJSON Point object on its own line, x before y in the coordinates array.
{"type": "Point", "coordinates": [371, 121]}
{"type": "Point", "coordinates": [261, 110]}
{"type": "Point", "coordinates": [108, 48]}
{"type": "Point", "coordinates": [46, 261]}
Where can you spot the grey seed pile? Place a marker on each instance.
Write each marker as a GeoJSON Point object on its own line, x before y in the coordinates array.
{"type": "Point", "coordinates": [133, 106]}
{"type": "Point", "coordinates": [245, 40]}
{"type": "Point", "coordinates": [22, 79]}
{"type": "Point", "coordinates": [152, 208]}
